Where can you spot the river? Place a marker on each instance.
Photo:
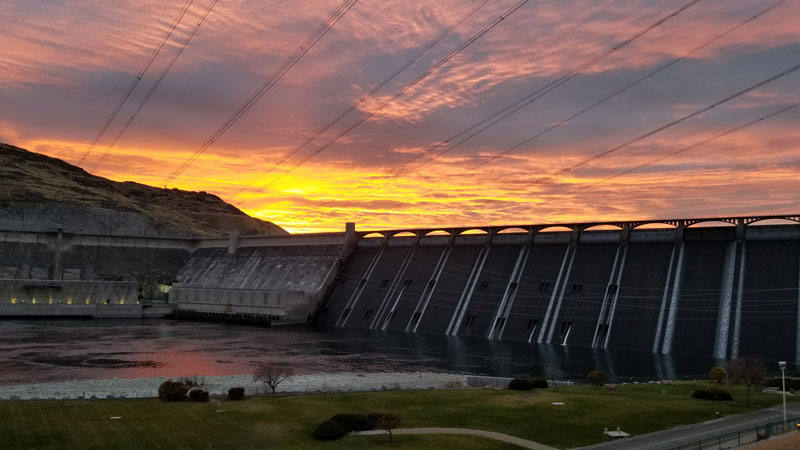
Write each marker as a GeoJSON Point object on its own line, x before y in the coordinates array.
{"type": "Point", "coordinates": [33, 351]}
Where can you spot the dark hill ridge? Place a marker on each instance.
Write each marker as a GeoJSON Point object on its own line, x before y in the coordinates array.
{"type": "Point", "coordinates": [38, 192]}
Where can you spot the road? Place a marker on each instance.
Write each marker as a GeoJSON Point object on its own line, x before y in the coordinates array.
{"type": "Point", "coordinates": [689, 434]}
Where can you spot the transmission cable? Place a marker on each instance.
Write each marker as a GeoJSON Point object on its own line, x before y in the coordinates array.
{"type": "Point", "coordinates": [157, 82]}
{"type": "Point", "coordinates": [679, 120]}
{"type": "Point", "coordinates": [397, 94]}
{"type": "Point", "coordinates": [273, 79]}
{"type": "Point", "coordinates": [631, 85]}
{"type": "Point", "coordinates": [684, 118]}
{"type": "Point", "coordinates": [139, 76]}
{"type": "Point", "coordinates": [634, 83]}
{"type": "Point", "coordinates": [513, 108]}
{"type": "Point", "coordinates": [693, 146]}
{"type": "Point", "coordinates": [366, 96]}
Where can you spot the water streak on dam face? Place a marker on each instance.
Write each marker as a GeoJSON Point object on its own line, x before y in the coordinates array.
{"type": "Point", "coordinates": [720, 291]}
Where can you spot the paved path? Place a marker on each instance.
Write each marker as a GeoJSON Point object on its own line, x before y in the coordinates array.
{"type": "Point", "coordinates": [524, 443]}
{"type": "Point", "coordinates": [690, 434]}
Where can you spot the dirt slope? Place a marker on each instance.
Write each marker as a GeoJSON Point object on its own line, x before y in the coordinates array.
{"type": "Point", "coordinates": [40, 193]}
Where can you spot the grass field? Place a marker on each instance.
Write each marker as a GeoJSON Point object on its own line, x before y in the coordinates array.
{"type": "Point", "coordinates": [287, 421]}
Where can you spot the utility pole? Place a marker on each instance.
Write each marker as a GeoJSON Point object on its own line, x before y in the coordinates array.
{"type": "Point", "coordinates": [782, 365]}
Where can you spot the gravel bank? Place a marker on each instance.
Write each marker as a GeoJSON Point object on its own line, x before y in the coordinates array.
{"type": "Point", "coordinates": [219, 385]}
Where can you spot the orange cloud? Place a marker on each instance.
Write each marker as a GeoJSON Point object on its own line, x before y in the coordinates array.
{"type": "Point", "coordinates": [64, 66]}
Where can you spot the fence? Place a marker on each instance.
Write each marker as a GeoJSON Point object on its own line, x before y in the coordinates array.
{"type": "Point", "coordinates": [738, 438]}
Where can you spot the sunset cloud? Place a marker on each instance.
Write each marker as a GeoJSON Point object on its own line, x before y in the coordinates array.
{"type": "Point", "coordinates": [66, 63]}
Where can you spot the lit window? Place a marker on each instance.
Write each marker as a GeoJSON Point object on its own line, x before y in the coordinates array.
{"type": "Point", "coordinates": [33, 300]}
{"type": "Point", "coordinates": [69, 301]}
{"type": "Point", "coordinates": [13, 301]}
{"type": "Point", "coordinates": [87, 301]}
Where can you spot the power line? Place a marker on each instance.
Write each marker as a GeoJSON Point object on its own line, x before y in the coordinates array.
{"type": "Point", "coordinates": [273, 79]}
{"type": "Point", "coordinates": [512, 108]}
{"type": "Point", "coordinates": [684, 118]}
{"type": "Point", "coordinates": [157, 82]}
{"type": "Point", "coordinates": [631, 85]}
{"type": "Point", "coordinates": [402, 91]}
{"type": "Point", "coordinates": [516, 106]}
{"type": "Point", "coordinates": [375, 89]}
{"type": "Point", "coordinates": [136, 81]}
{"type": "Point", "coordinates": [679, 120]}
{"type": "Point", "coordinates": [693, 146]}
{"type": "Point", "coordinates": [640, 80]}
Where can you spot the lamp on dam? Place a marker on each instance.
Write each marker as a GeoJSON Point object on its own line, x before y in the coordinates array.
{"type": "Point", "coordinates": [782, 365]}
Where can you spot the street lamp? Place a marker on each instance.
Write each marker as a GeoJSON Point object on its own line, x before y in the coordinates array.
{"type": "Point", "coordinates": [782, 365]}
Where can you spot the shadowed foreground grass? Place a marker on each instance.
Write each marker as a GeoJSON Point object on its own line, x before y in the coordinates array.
{"type": "Point", "coordinates": [287, 421]}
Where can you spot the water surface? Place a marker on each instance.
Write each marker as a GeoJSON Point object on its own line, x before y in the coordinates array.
{"type": "Point", "coordinates": [34, 351]}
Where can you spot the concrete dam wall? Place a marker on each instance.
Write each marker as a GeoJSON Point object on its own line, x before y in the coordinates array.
{"type": "Point", "coordinates": [721, 291]}
{"type": "Point", "coordinates": [57, 274]}
{"type": "Point", "coordinates": [260, 279]}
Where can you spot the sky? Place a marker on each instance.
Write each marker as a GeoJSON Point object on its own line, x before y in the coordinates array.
{"type": "Point", "coordinates": [419, 152]}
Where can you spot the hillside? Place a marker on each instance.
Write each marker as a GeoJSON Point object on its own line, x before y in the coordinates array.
{"type": "Point", "coordinates": [41, 193]}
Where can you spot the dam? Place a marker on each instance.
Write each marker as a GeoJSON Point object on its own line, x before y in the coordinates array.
{"type": "Point", "coordinates": [719, 287]}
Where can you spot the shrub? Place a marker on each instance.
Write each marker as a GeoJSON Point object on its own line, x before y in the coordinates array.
{"type": "Point", "coordinates": [330, 430]}
{"type": "Point", "coordinates": [354, 422]}
{"type": "Point", "coordinates": [198, 395]}
{"type": "Point", "coordinates": [712, 394]}
{"type": "Point", "coordinates": [791, 384]}
{"type": "Point", "coordinates": [597, 377]}
{"type": "Point", "coordinates": [520, 384]}
{"type": "Point", "coordinates": [236, 393]}
{"type": "Point", "coordinates": [718, 375]}
{"type": "Point", "coordinates": [538, 383]}
{"type": "Point", "coordinates": [172, 391]}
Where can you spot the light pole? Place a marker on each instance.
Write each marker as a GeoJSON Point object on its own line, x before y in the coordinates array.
{"type": "Point", "coordinates": [782, 365]}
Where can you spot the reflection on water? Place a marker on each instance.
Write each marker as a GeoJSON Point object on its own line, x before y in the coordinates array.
{"type": "Point", "coordinates": [58, 350]}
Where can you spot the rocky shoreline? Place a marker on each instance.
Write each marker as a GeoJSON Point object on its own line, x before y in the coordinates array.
{"type": "Point", "coordinates": [219, 385]}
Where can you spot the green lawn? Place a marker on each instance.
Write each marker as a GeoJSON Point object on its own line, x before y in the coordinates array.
{"type": "Point", "coordinates": [287, 421]}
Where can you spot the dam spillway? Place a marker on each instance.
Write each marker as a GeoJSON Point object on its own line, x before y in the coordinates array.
{"type": "Point", "coordinates": [722, 290]}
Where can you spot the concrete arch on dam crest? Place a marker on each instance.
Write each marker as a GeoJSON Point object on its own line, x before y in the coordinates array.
{"type": "Point", "coordinates": [604, 227]}
{"type": "Point", "coordinates": [766, 221]}
{"type": "Point", "coordinates": [473, 231]}
{"type": "Point", "coordinates": [710, 223]}
{"type": "Point", "coordinates": [654, 226]}
{"type": "Point", "coordinates": [403, 234]}
{"type": "Point", "coordinates": [437, 233]}
{"type": "Point", "coordinates": [373, 235]}
{"type": "Point", "coordinates": [556, 229]}
{"type": "Point", "coordinates": [511, 230]}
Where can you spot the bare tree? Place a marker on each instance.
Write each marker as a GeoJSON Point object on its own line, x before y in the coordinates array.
{"type": "Point", "coordinates": [272, 375]}
{"type": "Point", "coordinates": [387, 422]}
{"type": "Point", "coordinates": [748, 371]}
